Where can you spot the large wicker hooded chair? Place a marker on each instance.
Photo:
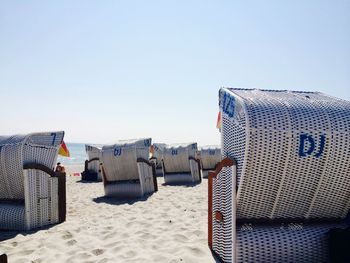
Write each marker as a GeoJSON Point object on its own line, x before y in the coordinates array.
{"type": "Point", "coordinates": [282, 191]}
{"type": "Point", "coordinates": [31, 194]}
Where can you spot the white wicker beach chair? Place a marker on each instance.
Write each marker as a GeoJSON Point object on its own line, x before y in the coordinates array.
{"type": "Point", "coordinates": [181, 164]}
{"type": "Point", "coordinates": [284, 182]}
{"type": "Point", "coordinates": [31, 194]}
{"type": "Point", "coordinates": [210, 156]}
{"type": "Point", "coordinates": [93, 166]}
{"type": "Point", "coordinates": [127, 171]}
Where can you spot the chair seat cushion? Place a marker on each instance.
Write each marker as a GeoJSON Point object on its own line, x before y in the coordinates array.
{"type": "Point", "coordinates": [12, 216]}
{"type": "Point", "coordinates": [125, 189]}
{"type": "Point", "coordinates": [284, 243]}
{"type": "Point", "coordinates": [177, 178]}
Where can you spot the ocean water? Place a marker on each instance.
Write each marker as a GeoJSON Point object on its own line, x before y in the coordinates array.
{"type": "Point", "coordinates": [77, 154]}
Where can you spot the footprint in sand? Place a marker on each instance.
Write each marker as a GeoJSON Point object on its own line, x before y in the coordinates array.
{"type": "Point", "coordinates": [14, 244]}
{"type": "Point", "coordinates": [180, 238]}
{"type": "Point", "coordinates": [130, 253]}
{"type": "Point", "coordinates": [67, 235]}
{"type": "Point", "coordinates": [199, 233]}
{"type": "Point", "coordinates": [97, 252]}
{"type": "Point", "coordinates": [26, 252]}
{"type": "Point", "coordinates": [195, 251]}
{"type": "Point", "coordinates": [71, 242]}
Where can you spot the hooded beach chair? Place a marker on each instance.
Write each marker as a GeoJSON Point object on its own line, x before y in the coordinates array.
{"type": "Point", "coordinates": [181, 164]}
{"type": "Point", "coordinates": [282, 192]}
{"type": "Point", "coordinates": [31, 194]}
{"type": "Point", "coordinates": [127, 172]}
{"type": "Point", "coordinates": [210, 156]}
{"type": "Point", "coordinates": [157, 157]}
{"type": "Point", "coordinates": [93, 166]}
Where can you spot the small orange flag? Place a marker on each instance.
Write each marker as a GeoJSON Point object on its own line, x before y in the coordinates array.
{"type": "Point", "coordinates": [218, 122]}
{"type": "Point", "coordinates": [63, 150]}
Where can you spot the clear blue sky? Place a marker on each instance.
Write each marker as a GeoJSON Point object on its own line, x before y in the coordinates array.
{"type": "Point", "coordinates": [108, 70]}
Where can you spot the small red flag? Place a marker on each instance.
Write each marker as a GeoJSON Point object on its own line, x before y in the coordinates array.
{"type": "Point", "coordinates": [63, 150]}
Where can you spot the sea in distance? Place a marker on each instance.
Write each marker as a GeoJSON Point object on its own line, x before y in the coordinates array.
{"type": "Point", "coordinates": [77, 154]}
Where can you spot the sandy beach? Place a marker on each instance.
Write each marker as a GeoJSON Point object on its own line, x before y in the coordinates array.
{"type": "Point", "coordinates": [170, 226]}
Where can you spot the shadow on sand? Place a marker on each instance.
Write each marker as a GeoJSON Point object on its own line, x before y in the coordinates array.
{"type": "Point", "coordinates": [119, 201]}
{"type": "Point", "coordinates": [216, 258]}
{"type": "Point", "coordinates": [8, 234]}
{"type": "Point", "coordinates": [88, 182]}
{"type": "Point", "coordinates": [181, 184]}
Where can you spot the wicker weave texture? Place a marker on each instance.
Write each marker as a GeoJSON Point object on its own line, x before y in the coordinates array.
{"type": "Point", "coordinates": [284, 243]}
{"type": "Point", "coordinates": [292, 159]}
{"type": "Point", "coordinates": [12, 216]}
{"type": "Point", "coordinates": [37, 190]}
{"type": "Point", "coordinates": [295, 153]}
{"type": "Point", "coordinates": [222, 201]}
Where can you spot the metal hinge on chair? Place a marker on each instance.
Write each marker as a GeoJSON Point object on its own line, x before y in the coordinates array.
{"type": "Point", "coordinates": [219, 216]}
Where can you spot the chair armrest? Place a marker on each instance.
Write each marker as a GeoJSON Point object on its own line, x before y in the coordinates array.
{"type": "Point", "coordinates": [93, 159]}
{"type": "Point", "coordinates": [191, 158]}
{"type": "Point", "coordinates": [194, 159]}
{"type": "Point", "coordinates": [89, 161]}
{"type": "Point", "coordinates": [41, 167]}
{"type": "Point", "coordinates": [227, 162]}
{"type": "Point", "coordinates": [61, 186]}
{"type": "Point", "coordinates": [152, 165]}
{"type": "Point", "coordinates": [142, 160]}
{"type": "Point", "coordinates": [3, 258]}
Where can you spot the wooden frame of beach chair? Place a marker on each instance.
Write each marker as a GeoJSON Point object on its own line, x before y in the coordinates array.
{"type": "Point", "coordinates": [31, 194]}
{"type": "Point", "coordinates": [127, 172]}
{"type": "Point", "coordinates": [181, 164]}
{"type": "Point", "coordinates": [283, 187]}
{"type": "Point", "coordinates": [3, 258]}
{"type": "Point", "coordinates": [93, 166]}
{"type": "Point", "coordinates": [210, 156]}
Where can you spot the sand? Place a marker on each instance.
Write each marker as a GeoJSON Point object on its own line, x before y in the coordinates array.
{"type": "Point", "coordinates": [170, 226]}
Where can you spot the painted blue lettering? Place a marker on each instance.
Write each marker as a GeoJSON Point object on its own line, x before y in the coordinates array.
{"type": "Point", "coordinates": [54, 137]}
{"type": "Point", "coordinates": [322, 143]}
{"type": "Point", "coordinates": [306, 138]}
{"type": "Point", "coordinates": [117, 151]}
{"type": "Point", "coordinates": [228, 105]}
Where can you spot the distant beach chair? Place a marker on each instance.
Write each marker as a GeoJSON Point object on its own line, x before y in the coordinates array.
{"type": "Point", "coordinates": [31, 194]}
{"type": "Point", "coordinates": [127, 171]}
{"type": "Point", "coordinates": [157, 157]}
{"type": "Point", "coordinates": [210, 157]}
{"type": "Point", "coordinates": [181, 164]}
{"type": "Point", "coordinates": [282, 192]}
{"type": "Point", "coordinates": [93, 166]}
